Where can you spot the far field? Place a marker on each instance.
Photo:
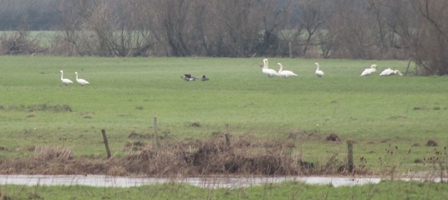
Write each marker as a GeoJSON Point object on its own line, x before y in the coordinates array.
{"type": "Point", "coordinates": [395, 113]}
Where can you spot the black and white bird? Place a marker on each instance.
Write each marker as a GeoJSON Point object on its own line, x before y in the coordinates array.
{"type": "Point", "coordinates": [204, 78]}
{"type": "Point", "coordinates": [188, 77]}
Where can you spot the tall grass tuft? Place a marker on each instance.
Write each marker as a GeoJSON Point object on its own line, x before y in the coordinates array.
{"type": "Point", "coordinates": [47, 153]}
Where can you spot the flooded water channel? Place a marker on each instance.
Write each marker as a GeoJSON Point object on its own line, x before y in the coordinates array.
{"type": "Point", "coordinates": [205, 182]}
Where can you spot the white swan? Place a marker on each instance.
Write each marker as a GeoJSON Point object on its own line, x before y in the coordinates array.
{"type": "Point", "coordinates": [266, 70]}
{"type": "Point", "coordinates": [397, 72]}
{"type": "Point", "coordinates": [82, 82]}
{"type": "Point", "coordinates": [284, 73]}
{"type": "Point", "coordinates": [386, 72]}
{"type": "Point", "coordinates": [390, 72]}
{"type": "Point", "coordinates": [66, 81]}
{"type": "Point", "coordinates": [319, 73]}
{"type": "Point", "coordinates": [369, 71]}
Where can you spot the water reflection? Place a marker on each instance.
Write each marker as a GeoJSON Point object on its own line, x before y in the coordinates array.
{"type": "Point", "coordinates": [207, 182]}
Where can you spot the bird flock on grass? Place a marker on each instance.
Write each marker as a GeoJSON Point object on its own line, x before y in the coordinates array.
{"type": "Point", "coordinates": [67, 81]}
{"type": "Point", "coordinates": [319, 73]}
{"type": "Point", "coordinates": [189, 77]}
{"type": "Point", "coordinates": [265, 70]}
{"type": "Point", "coordinates": [284, 73]}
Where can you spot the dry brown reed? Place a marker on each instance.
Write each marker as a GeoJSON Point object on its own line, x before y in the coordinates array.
{"type": "Point", "coordinates": [217, 156]}
{"type": "Point", "coordinates": [50, 153]}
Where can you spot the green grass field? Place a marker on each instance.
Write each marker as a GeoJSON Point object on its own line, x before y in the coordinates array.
{"type": "Point", "coordinates": [288, 190]}
{"type": "Point", "coordinates": [125, 94]}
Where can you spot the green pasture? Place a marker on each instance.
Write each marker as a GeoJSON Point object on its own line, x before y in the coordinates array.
{"type": "Point", "coordinates": [288, 190]}
{"type": "Point", "coordinates": [125, 94]}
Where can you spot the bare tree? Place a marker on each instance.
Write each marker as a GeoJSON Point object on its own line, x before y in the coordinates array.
{"type": "Point", "coordinates": [394, 21]}
{"type": "Point", "coordinates": [366, 29]}
{"type": "Point", "coordinates": [171, 24]}
{"type": "Point", "coordinates": [142, 25]}
{"type": "Point", "coordinates": [235, 22]}
{"type": "Point", "coordinates": [19, 42]}
{"type": "Point", "coordinates": [313, 14]}
{"type": "Point", "coordinates": [431, 52]}
{"type": "Point", "coordinates": [275, 16]}
{"type": "Point", "coordinates": [105, 28]}
{"type": "Point", "coordinates": [244, 28]}
{"type": "Point", "coordinates": [355, 30]}
{"type": "Point", "coordinates": [329, 41]}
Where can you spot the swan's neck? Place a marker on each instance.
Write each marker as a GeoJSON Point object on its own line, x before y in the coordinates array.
{"type": "Point", "coordinates": [317, 67]}
{"type": "Point", "coordinates": [265, 66]}
{"type": "Point", "coordinates": [62, 75]}
{"type": "Point", "coordinates": [76, 76]}
{"type": "Point", "coordinates": [281, 68]}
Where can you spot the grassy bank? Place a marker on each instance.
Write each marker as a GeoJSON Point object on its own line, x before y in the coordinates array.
{"type": "Point", "coordinates": [290, 190]}
{"type": "Point", "coordinates": [380, 114]}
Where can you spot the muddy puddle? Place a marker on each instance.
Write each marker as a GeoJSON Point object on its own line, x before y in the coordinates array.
{"type": "Point", "coordinates": [206, 182]}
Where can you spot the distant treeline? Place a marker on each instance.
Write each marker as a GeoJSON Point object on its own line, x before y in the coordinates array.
{"type": "Point", "coordinates": [353, 29]}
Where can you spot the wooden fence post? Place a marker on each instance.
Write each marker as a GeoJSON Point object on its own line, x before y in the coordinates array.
{"type": "Point", "coordinates": [106, 143]}
{"type": "Point", "coordinates": [350, 156]}
{"type": "Point", "coordinates": [227, 135]}
{"type": "Point", "coordinates": [155, 132]}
